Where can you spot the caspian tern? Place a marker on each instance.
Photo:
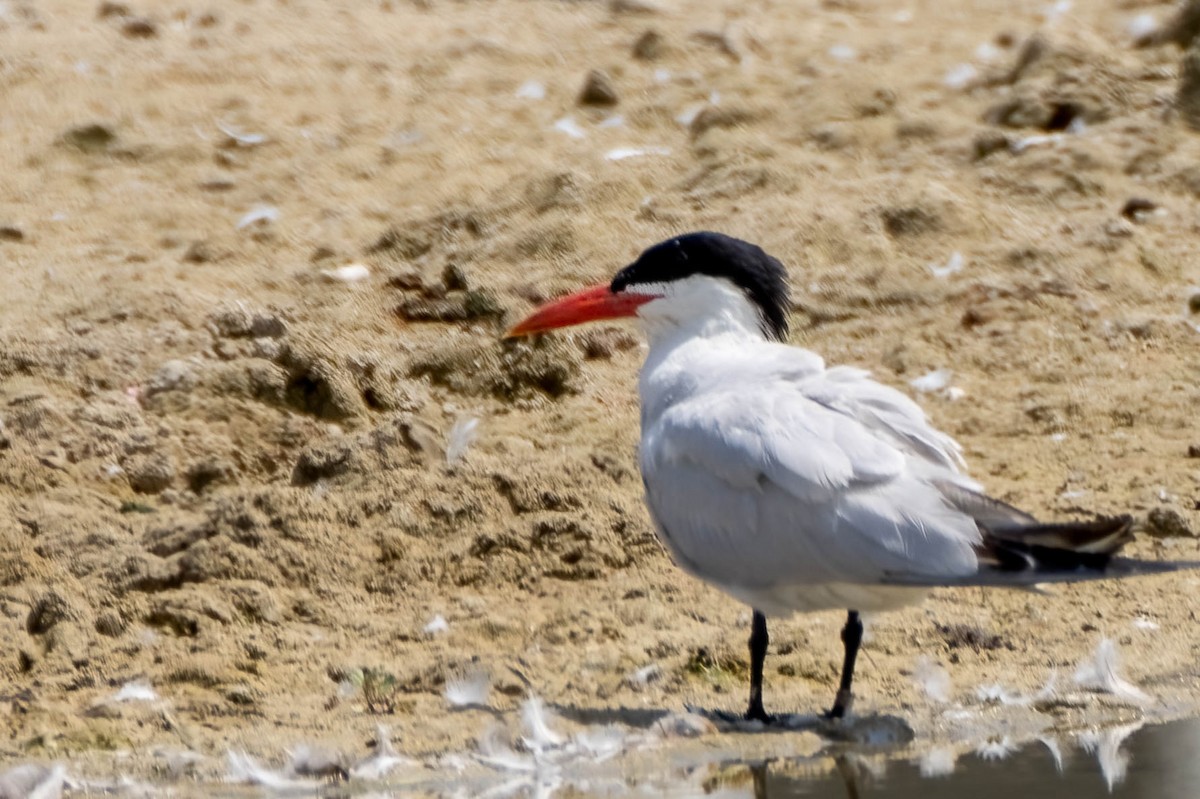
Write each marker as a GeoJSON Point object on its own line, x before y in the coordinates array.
{"type": "Point", "coordinates": [797, 487]}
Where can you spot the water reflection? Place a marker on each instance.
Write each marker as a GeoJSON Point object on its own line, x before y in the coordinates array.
{"type": "Point", "coordinates": [1157, 762]}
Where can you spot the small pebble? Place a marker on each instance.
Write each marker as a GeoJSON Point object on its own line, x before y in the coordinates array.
{"type": "Point", "coordinates": [149, 474]}
{"type": "Point", "coordinates": [1137, 209]}
{"type": "Point", "coordinates": [988, 142]}
{"type": "Point", "coordinates": [1167, 523]}
{"type": "Point", "coordinates": [198, 252]}
{"type": "Point", "coordinates": [89, 138]}
{"type": "Point", "coordinates": [174, 375]}
{"type": "Point", "coordinates": [11, 233]}
{"type": "Point", "coordinates": [408, 280]}
{"type": "Point", "coordinates": [631, 7]}
{"type": "Point", "coordinates": [1032, 51]}
{"type": "Point", "coordinates": [977, 315]}
{"type": "Point", "coordinates": [112, 9]}
{"type": "Point", "coordinates": [720, 40]}
{"type": "Point", "coordinates": [598, 89]}
{"type": "Point", "coordinates": [649, 46]}
{"type": "Point", "coordinates": [454, 277]}
{"type": "Point", "coordinates": [139, 28]}
{"type": "Point", "coordinates": [322, 253]}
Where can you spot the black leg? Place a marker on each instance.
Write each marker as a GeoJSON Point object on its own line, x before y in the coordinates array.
{"type": "Point", "coordinates": [758, 655]}
{"type": "Point", "coordinates": [852, 635]}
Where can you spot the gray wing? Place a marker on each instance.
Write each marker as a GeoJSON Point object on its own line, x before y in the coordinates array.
{"type": "Point", "coordinates": [772, 485]}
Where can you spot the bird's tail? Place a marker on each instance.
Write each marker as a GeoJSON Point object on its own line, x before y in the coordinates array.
{"type": "Point", "coordinates": [1016, 550]}
{"type": "Point", "coordinates": [1069, 546]}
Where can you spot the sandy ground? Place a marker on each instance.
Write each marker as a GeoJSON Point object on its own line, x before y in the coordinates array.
{"type": "Point", "coordinates": [225, 474]}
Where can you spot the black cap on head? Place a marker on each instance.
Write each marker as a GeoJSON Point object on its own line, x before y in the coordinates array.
{"type": "Point", "coordinates": [760, 276]}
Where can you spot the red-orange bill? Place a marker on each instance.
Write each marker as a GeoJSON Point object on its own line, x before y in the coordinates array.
{"type": "Point", "coordinates": [589, 305]}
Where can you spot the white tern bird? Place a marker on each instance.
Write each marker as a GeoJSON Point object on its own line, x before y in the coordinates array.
{"type": "Point", "coordinates": [796, 487]}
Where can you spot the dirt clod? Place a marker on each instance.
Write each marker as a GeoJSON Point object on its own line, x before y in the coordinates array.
{"type": "Point", "coordinates": [139, 28]}
{"type": "Point", "coordinates": [1167, 523]}
{"type": "Point", "coordinates": [199, 252]}
{"type": "Point", "coordinates": [49, 610]}
{"type": "Point", "coordinates": [909, 221]}
{"type": "Point", "coordinates": [598, 89]}
{"type": "Point", "coordinates": [971, 637]}
{"type": "Point", "coordinates": [1187, 97]}
{"type": "Point", "coordinates": [90, 138]}
{"type": "Point", "coordinates": [649, 45]}
{"type": "Point", "coordinates": [150, 474]}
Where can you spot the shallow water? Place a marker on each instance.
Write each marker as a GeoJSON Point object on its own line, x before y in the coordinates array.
{"type": "Point", "coordinates": [1160, 762]}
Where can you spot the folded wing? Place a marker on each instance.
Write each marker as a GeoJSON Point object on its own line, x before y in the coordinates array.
{"type": "Point", "coordinates": [796, 481]}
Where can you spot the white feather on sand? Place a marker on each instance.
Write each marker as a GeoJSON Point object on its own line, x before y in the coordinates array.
{"type": "Point", "coordinates": [493, 751]}
{"type": "Point", "coordinates": [246, 770]}
{"type": "Point", "coordinates": [932, 381]}
{"type": "Point", "coordinates": [468, 690]}
{"type": "Point", "coordinates": [32, 781]}
{"type": "Point", "coordinates": [257, 216]}
{"type": "Point", "coordinates": [382, 761]}
{"type": "Point", "coordinates": [644, 676]}
{"type": "Point", "coordinates": [348, 273]}
{"type": "Point", "coordinates": [536, 719]}
{"type": "Point", "coordinates": [996, 694]}
{"type": "Point", "coordinates": [933, 679]}
{"type": "Point", "coordinates": [462, 435]}
{"type": "Point", "coordinates": [135, 691]}
{"type": "Point", "coordinates": [599, 744]}
{"type": "Point", "coordinates": [1101, 672]}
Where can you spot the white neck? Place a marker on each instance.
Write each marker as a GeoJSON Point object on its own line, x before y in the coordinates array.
{"type": "Point", "coordinates": [699, 307]}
